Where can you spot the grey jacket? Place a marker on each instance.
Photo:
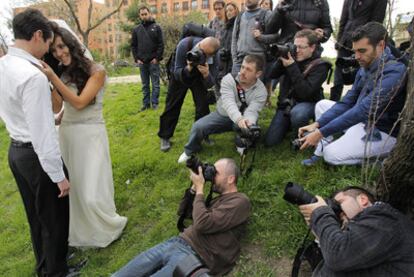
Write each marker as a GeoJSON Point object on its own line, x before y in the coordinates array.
{"type": "Point", "coordinates": [229, 103]}
{"type": "Point", "coordinates": [244, 42]}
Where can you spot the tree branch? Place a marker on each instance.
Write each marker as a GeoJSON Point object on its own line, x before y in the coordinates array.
{"type": "Point", "coordinates": [106, 16]}
{"type": "Point", "coordinates": [89, 15]}
{"type": "Point", "coordinates": [74, 16]}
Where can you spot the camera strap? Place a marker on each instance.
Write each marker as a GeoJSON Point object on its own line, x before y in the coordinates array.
{"type": "Point", "coordinates": [242, 96]}
{"type": "Point", "coordinates": [309, 252]}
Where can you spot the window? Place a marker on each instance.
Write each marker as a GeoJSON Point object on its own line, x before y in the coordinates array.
{"type": "Point", "coordinates": [110, 38]}
{"type": "Point", "coordinates": [112, 51]}
{"type": "Point", "coordinates": [205, 4]}
{"type": "Point", "coordinates": [185, 6]}
{"type": "Point", "coordinates": [109, 27]}
{"type": "Point", "coordinates": [194, 4]}
{"type": "Point", "coordinates": [176, 6]}
{"type": "Point", "coordinates": [164, 8]}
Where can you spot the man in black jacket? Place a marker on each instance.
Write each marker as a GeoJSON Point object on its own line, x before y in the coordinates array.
{"type": "Point", "coordinates": [369, 239]}
{"type": "Point", "coordinates": [355, 13]}
{"type": "Point", "coordinates": [291, 16]}
{"type": "Point", "coordinates": [198, 76]}
{"type": "Point", "coordinates": [147, 48]}
{"type": "Point", "coordinates": [300, 88]}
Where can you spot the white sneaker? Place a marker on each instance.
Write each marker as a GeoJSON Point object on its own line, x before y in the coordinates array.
{"type": "Point", "coordinates": [183, 158]}
{"type": "Point", "coordinates": [240, 150]}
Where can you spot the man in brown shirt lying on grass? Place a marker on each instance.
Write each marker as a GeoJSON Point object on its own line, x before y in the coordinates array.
{"type": "Point", "coordinates": [213, 238]}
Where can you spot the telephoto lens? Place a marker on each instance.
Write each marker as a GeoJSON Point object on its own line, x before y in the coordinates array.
{"type": "Point", "coordinates": [296, 194]}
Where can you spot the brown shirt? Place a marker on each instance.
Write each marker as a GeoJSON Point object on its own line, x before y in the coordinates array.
{"type": "Point", "coordinates": [216, 231]}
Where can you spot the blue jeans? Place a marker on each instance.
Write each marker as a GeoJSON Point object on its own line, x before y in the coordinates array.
{"type": "Point", "coordinates": [148, 71]}
{"type": "Point", "coordinates": [299, 116]}
{"type": "Point", "coordinates": [159, 261]}
{"type": "Point", "coordinates": [213, 123]}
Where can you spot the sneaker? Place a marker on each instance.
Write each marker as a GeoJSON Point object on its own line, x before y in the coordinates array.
{"type": "Point", "coordinates": [165, 145]}
{"type": "Point", "coordinates": [240, 150]}
{"type": "Point", "coordinates": [311, 161]}
{"type": "Point", "coordinates": [183, 158]}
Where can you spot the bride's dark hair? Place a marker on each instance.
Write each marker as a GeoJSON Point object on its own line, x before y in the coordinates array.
{"type": "Point", "coordinates": [79, 70]}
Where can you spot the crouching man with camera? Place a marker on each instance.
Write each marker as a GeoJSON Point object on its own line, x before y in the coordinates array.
{"type": "Point", "coordinates": [368, 114]}
{"type": "Point", "coordinates": [303, 73]}
{"type": "Point", "coordinates": [370, 238]}
{"type": "Point", "coordinates": [214, 237]}
{"type": "Point", "coordinates": [238, 107]}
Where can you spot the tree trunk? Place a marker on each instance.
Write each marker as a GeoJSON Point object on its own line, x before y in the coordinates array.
{"type": "Point", "coordinates": [396, 181]}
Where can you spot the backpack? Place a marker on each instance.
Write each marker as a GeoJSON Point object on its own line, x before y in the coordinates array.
{"type": "Point", "coordinates": [189, 29]}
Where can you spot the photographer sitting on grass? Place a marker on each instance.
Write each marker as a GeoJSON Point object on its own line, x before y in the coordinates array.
{"type": "Point", "coordinates": [370, 239]}
{"type": "Point", "coordinates": [241, 100]}
{"type": "Point", "coordinates": [213, 238]}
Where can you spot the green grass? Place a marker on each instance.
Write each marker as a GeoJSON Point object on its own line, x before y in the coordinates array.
{"type": "Point", "coordinates": [150, 183]}
{"type": "Point", "coordinates": [115, 71]}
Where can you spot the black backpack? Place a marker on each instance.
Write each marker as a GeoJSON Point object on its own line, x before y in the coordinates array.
{"type": "Point", "coordinates": [189, 29]}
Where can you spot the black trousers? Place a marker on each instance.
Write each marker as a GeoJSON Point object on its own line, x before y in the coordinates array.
{"type": "Point", "coordinates": [47, 214]}
{"type": "Point", "coordinates": [336, 90]}
{"type": "Point", "coordinates": [175, 98]}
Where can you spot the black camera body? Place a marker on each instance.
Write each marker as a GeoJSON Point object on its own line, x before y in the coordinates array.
{"type": "Point", "coordinates": [282, 50]}
{"type": "Point", "coordinates": [296, 194]}
{"type": "Point", "coordinates": [349, 68]}
{"type": "Point", "coordinates": [196, 56]}
{"type": "Point", "coordinates": [209, 171]}
{"type": "Point", "coordinates": [297, 143]}
{"type": "Point", "coordinates": [247, 137]}
{"type": "Point", "coordinates": [224, 54]}
{"type": "Point", "coordinates": [286, 105]}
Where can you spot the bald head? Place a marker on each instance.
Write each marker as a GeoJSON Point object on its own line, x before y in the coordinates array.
{"type": "Point", "coordinates": [230, 168]}
{"type": "Point", "coordinates": [209, 45]}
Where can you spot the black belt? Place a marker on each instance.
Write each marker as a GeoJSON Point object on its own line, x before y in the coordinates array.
{"type": "Point", "coordinates": [20, 144]}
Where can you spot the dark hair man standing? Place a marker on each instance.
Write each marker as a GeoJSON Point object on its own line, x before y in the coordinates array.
{"type": "Point", "coordinates": [355, 13]}
{"type": "Point", "coordinates": [147, 48]}
{"type": "Point", "coordinates": [34, 155]}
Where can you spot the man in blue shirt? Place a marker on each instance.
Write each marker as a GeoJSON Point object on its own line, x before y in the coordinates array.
{"type": "Point", "coordinates": [368, 112]}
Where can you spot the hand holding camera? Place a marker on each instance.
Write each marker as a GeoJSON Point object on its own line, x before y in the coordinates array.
{"type": "Point", "coordinates": [286, 61]}
{"type": "Point", "coordinates": [243, 123]}
{"type": "Point", "coordinates": [198, 180]}
{"type": "Point", "coordinates": [307, 209]}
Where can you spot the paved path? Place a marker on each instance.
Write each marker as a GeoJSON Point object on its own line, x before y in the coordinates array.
{"type": "Point", "coordinates": [125, 79]}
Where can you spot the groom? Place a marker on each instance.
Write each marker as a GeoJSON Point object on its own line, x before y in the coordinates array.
{"type": "Point", "coordinates": [34, 155]}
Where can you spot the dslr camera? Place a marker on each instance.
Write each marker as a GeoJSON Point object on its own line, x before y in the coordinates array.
{"type": "Point", "coordinates": [282, 50]}
{"type": "Point", "coordinates": [349, 67]}
{"type": "Point", "coordinates": [196, 56]}
{"type": "Point", "coordinates": [296, 194]}
{"type": "Point", "coordinates": [208, 170]}
{"type": "Point", "coordinates": [224, 54]}
{"type": "Point", "coordinates": [286, 105]}
{"type": "Point", "coordinates": [297, 143]}
{"type": "Point", "coordinates": [247, 137]}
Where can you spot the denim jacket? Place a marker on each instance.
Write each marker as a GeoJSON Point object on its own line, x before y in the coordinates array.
{"type": "Point", "coordinates": [376, 99]}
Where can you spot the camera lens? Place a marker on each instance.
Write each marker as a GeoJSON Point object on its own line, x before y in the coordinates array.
{"type": "Point", "coordinates": [295, 194]}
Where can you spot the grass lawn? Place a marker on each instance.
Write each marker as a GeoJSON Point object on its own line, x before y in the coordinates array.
{"type": "Point", "coordinates": [150, 183]}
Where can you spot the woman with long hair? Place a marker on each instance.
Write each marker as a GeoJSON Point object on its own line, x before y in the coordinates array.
{"type": "Point", "coordinates": [84, 143]}
{"type": "Point", "coordinates": [226, 63]}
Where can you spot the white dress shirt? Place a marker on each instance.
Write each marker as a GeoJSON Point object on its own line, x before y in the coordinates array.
{"type": "Point", "coordinates": [26, 108]}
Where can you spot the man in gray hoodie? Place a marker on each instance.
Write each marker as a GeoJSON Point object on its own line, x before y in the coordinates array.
{"type": "Point", "coordinates": [239, 105]}
{"type": "Point", "coordinates": [243, 41]}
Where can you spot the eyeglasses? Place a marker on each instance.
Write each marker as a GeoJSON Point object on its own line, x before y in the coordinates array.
{"type": "Point", "coordinates": [302, 47]}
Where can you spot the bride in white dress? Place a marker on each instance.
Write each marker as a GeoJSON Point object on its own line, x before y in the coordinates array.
{"type": "Point", "coordinates": [84, 144]}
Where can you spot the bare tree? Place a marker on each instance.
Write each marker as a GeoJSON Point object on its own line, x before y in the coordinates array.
{"type": "Point", "coordinates": [396, 182]}
{"type": "Point", "coordinates": [389, 24]}
{"type": "Point", "coordinates": [84, 32]}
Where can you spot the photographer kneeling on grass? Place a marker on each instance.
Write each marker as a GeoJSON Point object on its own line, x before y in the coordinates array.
{"type": "Point", "coordinates": [238, 107]}
{"type": "Point", "coordinates": [368, 113]}
{"type": "Point", "coordinates": [213, 238]}
{"type": "Point", "coordinates": [369, 239]}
